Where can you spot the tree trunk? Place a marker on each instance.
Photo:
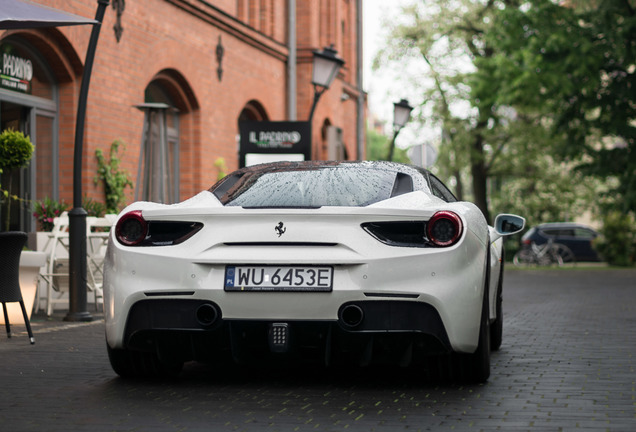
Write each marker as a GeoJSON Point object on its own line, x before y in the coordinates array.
{"type": "Point", "coordinates": [459, 188]}
{"type": "Point", "coordinates": [480, 176]}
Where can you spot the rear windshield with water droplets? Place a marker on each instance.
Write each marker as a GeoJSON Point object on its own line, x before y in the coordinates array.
{"type": "Point", "coordinates": [311, 188]}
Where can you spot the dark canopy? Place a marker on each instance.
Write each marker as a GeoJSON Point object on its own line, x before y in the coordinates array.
{"type": "Point", "coordinates": [20, 14]}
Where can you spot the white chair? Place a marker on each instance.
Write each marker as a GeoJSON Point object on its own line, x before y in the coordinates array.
{"type": "Point", "coordinates": [56, 275]}
{"type": "Point", "coordinates": [97, 236]}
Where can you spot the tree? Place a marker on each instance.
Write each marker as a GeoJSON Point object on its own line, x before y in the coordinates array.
{"type": "Point", "coordinates": [449, 37]}
{"type": "Point", "coordinates": [378, 146]}
{"type": "Point", "coordinates": [572, 65]}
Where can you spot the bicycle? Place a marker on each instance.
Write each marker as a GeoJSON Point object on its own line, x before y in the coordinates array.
{"type": "Point", "coordinates": [547, 254]}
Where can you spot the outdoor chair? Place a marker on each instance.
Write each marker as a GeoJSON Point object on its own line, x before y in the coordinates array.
{"type": "Point", "coordinates": [56, 274]}
{"type": "Point", "coordinates": [11, 244]}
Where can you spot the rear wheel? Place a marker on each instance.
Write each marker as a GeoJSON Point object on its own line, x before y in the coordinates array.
{"type": "Point", "coordinates": [139, 364]}
{"type": "Point", "coordinates": [475, 367]}
{"type": "Point", "coordinates": [496, 327]}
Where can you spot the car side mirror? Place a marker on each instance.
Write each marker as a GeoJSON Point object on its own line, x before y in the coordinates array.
{"type": "Point", "coordinates": [508, 224]}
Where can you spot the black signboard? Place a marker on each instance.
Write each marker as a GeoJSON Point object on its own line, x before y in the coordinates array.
{"type": "Point", "coordinates": [16, 72]}
{"type": "Point", "coordinates": [274, 141]}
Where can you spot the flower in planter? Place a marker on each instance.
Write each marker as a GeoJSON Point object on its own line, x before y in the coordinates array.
{"type": "Point", "coordinates": [46, 210]}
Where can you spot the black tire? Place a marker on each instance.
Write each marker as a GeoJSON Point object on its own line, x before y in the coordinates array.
{"type": "Point", "coordinates": [141, 365]}
{"type": "Point", "coordinates": [475, 367]}
{"type": "Point", "coordinates": [496, 327]}
{"type": "Point", "coordinates": [471, 368]}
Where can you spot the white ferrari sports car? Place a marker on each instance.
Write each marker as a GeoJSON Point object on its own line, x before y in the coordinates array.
{"type": "Point", "coordinates": [331, 263]}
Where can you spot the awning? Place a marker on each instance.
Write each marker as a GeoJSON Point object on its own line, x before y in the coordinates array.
{"type": "Point", "coordinates": [21, 14]}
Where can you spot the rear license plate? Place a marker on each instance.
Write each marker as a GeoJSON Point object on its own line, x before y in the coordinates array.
{"type": "Point", "coordinates": [279, 278]}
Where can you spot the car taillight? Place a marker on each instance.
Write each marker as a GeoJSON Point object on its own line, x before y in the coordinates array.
{"type": "Point", "coordinates": [133, 230]}
{"type": "Point", "coordinates": [444, 228]}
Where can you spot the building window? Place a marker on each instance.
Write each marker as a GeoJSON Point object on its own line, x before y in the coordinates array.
{"type": "Point", "coordinates": [158, 170]}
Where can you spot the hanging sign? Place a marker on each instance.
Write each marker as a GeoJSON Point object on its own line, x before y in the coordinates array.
{"type": "Point", "coordinates": [274, 141]}
{"type": "Point", "coordinates": [16, 72]}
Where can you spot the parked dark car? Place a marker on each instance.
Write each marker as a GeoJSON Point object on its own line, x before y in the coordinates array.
{"type": "Point", "coordinates": [578, 238]}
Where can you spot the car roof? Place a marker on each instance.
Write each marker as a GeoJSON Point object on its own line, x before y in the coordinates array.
{"type": "Point", "coordinates": [420, 176]}
{"type": "Point", "coordinates": [563, 225]}
{"type": "Point", "coordinates": [312, 165]}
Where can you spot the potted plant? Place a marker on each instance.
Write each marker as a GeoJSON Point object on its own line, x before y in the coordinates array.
{"type": "Point", "coordinates": [16, 151]}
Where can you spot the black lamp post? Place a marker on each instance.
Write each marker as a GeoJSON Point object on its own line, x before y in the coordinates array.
{"type": "Point", "coordinates": [401, 114]}
{"type": "Point", "coordinates": [325, 69]}
{"type": "Point", "coordinates": [77, 216]}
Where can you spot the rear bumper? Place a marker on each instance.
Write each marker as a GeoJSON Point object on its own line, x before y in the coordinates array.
{"type": "Point", "coordinates": [366, 332]}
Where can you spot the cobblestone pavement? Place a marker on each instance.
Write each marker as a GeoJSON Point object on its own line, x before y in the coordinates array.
{"type": "Point", "coordinates": [567, 363]}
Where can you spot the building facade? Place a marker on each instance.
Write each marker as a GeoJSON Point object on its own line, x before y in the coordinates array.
{"type": "Point", "coordinates": [198, 67]}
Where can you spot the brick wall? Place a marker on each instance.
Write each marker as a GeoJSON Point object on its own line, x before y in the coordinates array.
{"type": "Point", "coordinates": [175, 41]}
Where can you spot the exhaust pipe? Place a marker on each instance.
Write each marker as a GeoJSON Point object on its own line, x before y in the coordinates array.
{"type": "Point", "coordinates": [206, 315]}
{"type": "Point", "coordinates": [351, 315]}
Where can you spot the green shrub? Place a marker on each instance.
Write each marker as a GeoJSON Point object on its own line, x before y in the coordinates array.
{"type": "Point", "coordinates": [16, 151]}
{"type": "Point", "coordinates": [617, 243]}
{"type": "Point", "coordinates": [114, 178]}
{"type": "Point", "coordinates": [94, 208]}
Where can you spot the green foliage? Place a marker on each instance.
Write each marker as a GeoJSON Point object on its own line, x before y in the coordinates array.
{"type": "Point", "coordinates": [94, 208]}
{"type": "Point", "coordinates": [378, 148]}
{"type": "Point", "coordinates": [572, 66]}
{"type": "Point", "coordinates": [16, 151]}
{"type": "Point", "coordinates": [549, 88]}
{"type": "Point", "coordinates": [114, 179]}
{"type": "Point", "coordinates": [545, 192]}
{"type": "Point", "coordinates": [219, 164]}
{"type": "Point", "coordinates": [446, 38]}
{"type": "Point", "coordinates": [617, 243]}
{"type": "Point", "coordinates": [46, 210]}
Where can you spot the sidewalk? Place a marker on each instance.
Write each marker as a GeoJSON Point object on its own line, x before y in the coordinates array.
{"type": "Point", "coordinates": [41, 323]}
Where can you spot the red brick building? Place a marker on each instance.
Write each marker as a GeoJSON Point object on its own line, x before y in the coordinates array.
{"type": "Point", "coordinates": [210, 63]}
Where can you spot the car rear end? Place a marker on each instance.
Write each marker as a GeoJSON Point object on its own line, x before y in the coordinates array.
{"type": "Point", "coordinates": [354, 284]}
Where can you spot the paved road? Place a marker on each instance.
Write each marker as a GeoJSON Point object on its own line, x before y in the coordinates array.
{"type": "Point", "coordinates": [567, 363]}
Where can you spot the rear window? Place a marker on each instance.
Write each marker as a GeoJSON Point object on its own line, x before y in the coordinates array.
{"type": "Point", "coordinates": [312, 188]}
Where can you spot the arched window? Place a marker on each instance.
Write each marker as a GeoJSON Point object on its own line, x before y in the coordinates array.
{"type": "Point", "coordinates": [253, 111]}
{"type": "Point", "coordinates": [168, 104]}
{"type": "Point", "coordinates": [331, 143]}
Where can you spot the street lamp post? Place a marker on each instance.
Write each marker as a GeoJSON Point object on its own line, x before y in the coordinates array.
{"type": "Point", "coordinates": [401, 114]}
{"type": "Point", "coordinates": [77, 216]}
{"type": "Point", "coordinates": [325, 69]}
